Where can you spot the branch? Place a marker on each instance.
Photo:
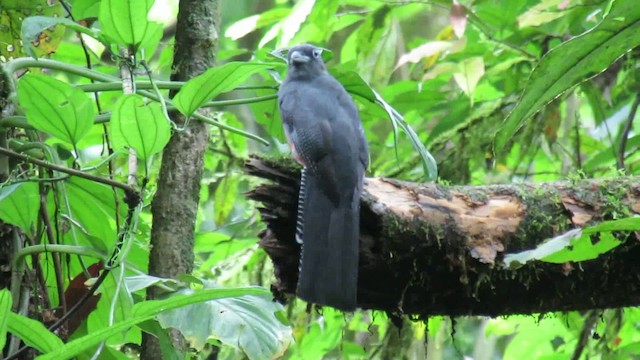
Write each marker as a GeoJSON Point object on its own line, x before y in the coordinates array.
{"type": "Point", "coordinates": [127, 189]}
{"type": "Point", "coordinates": [433, 250]}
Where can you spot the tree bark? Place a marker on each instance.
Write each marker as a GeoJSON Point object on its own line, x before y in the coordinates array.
{"type": "Point", "coordinates": [175, 204]}
{"type": "Point", "coordinates": [428, 249]}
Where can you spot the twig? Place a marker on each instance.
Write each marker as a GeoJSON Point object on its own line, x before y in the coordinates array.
{"type": "Point", "coordinates": [589, 322]}
{"type": "Point", "coordinates": [625, 133]}
{"type": "Point", "coordinates": [56, 257]}
{"type": "Point", "coordinates": [127, 189]}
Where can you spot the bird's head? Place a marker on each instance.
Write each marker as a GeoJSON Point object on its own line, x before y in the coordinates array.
{"type": "Point", "coordinates": [305, 61]}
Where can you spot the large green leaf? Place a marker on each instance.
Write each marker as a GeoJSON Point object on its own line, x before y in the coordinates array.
{"type": "Point", "coordinates": [83, 9]}
{"type": "Point", "coordinates": [56, 107]}
{"type": "Point", "coordinates": [125, 22]}
{"type": "Point", "coordinates": [5, 309]}
{"type": "Point", "coordinates": [250, 323]}
{"type": "Point", "coordinates": [144, 311]}
{"type": "Point", "coordinates": [19, 204]}
{"type": "Point", "coordinates": [92, 207]}
{"type": "Point", "coordinates": [213, 82]}
{"type": "Point", "coordinates": [139, 124]}
{"type": "Point", "coordinates": [32, 332]}
{"type": "Point", "coordinates": [575, 61]}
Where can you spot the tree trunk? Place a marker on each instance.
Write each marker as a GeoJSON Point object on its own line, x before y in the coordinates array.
{"type": "Point", "coordinates": [175, 204]}
{"type": "Point", "coordinates": [428, 249]}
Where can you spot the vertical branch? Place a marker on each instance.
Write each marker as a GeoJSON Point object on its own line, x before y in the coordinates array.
{"type": "Point", "coordinates": [128, 87]}
{"type": "Point", "coordinates": [57, 265]}
{"type": "Point", "coordinates": [175, 205]}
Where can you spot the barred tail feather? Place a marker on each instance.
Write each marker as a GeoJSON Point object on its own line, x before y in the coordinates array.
{"type": "Point", "coordinates": [329, 260]}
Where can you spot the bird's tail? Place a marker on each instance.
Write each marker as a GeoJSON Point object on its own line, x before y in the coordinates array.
{"type": "Point", "coordinates": [330, 239]}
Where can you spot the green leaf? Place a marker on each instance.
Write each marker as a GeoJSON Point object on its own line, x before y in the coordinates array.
{"type": "Point", "coordinates": [92, 206]}
{"type": "Point", "coordinates": [626, 224]}
{"type": "Point", "coordinates": [83, 9]}
{"type": "Point", "coordinates": [197, 91]}
{"type": "Point", "coordinates": [33, 333]}
{"type": "Point", "coordinates": [468, 73]}
{"type": "Point", "coordinates": [19, 204]}
{"type": "Point", "coordinates": [583, 248]}
{"type": "Point", "coordinates": [577, 244]}
{"type": "Point", "coordinates": [573, 62]}
{"type": "Point", "coordinates": [321, 337]}
{"type": "Point", "coordinates": [125, 22]}
{"type": "Point", "coordinates": [247, 323]}
{"type": "Point", "coordinates": [5, 309]}
{"type": "Point", "coordinates": [139, 124]}
{"type": "Point", "coordinates": [34, 25]}
{"type": "Point", "coordinates": [144, 311]}
{"type": "Point", "coordinates": [56, 107]}
{"type": "Point", "coordinates": [547, 248]}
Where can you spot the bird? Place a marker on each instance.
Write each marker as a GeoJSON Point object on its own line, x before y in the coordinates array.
{"type": "Point", "coordinates": [325, 134]}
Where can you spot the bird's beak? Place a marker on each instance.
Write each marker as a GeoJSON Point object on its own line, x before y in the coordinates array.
{"type": "Point", "coordinates": [297, 57]}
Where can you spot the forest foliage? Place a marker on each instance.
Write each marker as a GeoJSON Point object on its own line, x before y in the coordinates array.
{"type": "Point", "coordinates": [486, 91]}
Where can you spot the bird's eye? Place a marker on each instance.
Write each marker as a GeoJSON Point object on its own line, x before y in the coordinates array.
{"type": "Point", "coordinates": [316, 53]}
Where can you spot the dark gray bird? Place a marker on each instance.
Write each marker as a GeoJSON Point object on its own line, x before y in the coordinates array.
{"type": "Point", "coordinates": [323, 128]}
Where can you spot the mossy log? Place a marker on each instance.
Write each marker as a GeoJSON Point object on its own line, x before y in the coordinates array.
{"type": "Point", "coordinates": [428, 249]}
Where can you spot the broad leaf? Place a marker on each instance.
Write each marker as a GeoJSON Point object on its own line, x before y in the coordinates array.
{"type": "Point", "coordinates": [83, 9]}
{"type": "Point", "coordinates": [573, 62]}
{"type": "Point", "coordinates": [248, 323]}
{"type": "Point", "coordinates": [92, 207]}
{"type": "Point", "coordinates": [144, 311]}
{"type": "Point", "coordinates": [19, 204]}
{"type": "Point", "coordinates": [125, 22]}
{"type": "Point", "coordinates": [197, 91]}
{"type": "Point", "coordinates": [56, 107]}
{"type": "Point", "coordinates": [33, 333]}
{"type": "Point", "coordinates": [139, 124]}
{"type": "Point", "coordinates": [5, 309]}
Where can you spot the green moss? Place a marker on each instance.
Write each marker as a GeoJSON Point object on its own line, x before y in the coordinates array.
{"type": "Point", "coordinates": [613, 194]}
{"type": "Point", "coordinates": [545, 215]}
{"type": "Point", "coordinates": [474, 194]}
